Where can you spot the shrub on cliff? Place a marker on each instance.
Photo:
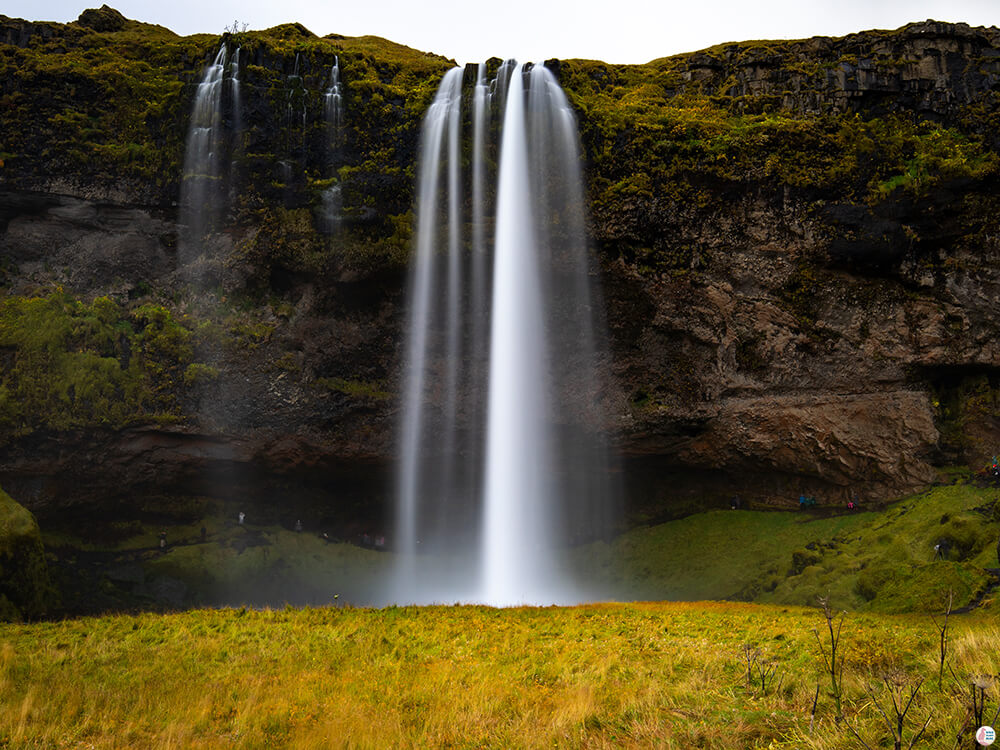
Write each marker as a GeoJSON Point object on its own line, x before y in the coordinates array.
{"type": "Point", "coordinates": [25, 588]}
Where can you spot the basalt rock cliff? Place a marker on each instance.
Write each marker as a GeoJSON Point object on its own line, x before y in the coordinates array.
{"type": "Point", "coordinates": [798, 244]}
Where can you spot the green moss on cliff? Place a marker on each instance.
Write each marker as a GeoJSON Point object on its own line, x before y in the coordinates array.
{"type": "Point", "coordinates": [100, 104]}
{"type": "Point", "coordinates": [71, 364]}
{"type": "Point", "coordinates": [647, 139]}
{"type": "Point", "coordinates": [25, 588]}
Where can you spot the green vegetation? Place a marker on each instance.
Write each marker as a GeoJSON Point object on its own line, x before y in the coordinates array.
{"type": "Point", "coordinates": [25, 589]}
{"type": "Point", "coordinates": [661, 141]}
{"type": "Point", "coordinates": [356, 388]}
{"type": "Point", "coordinates": [875, 560]}
{"type": "Point", "coordinates": [641, 675]}
{"type": "Point", "coordinates": [71, 364]}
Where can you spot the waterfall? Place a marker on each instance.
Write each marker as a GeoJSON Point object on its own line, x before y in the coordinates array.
{"type": "Point", "coordinates": [201, 180]}
{"type": "Point", "coordinates": [503, 455]}
{"type": "Point", "coordinates": [333, 100]}
{"type": "Point", "coordinates": [333, 110]}
{"type": "Point", "coordinates": [234, 79]}
{"type": "Point", "coordinates": [416, 488]}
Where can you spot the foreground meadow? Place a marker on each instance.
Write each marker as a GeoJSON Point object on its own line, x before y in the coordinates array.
{"type": "Point", "coordinates": [614, 675]}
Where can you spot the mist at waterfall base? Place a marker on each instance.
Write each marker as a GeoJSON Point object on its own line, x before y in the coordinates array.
{"type": "Point", "coordinates": [504, 459]}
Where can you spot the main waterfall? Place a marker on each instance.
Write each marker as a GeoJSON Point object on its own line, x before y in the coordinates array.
{"type": "Point", "coordinates": [503, 456]}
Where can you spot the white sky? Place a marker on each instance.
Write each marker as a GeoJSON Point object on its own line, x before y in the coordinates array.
{"type": "Point", "coordinates": [619, 31]}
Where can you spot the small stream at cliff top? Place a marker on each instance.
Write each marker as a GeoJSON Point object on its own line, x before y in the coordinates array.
{"type": "Point", "coordinates": [504, 459]}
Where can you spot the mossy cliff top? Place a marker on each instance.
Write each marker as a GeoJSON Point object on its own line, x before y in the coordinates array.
{"type": "Point", "coordinates": [106, 99]}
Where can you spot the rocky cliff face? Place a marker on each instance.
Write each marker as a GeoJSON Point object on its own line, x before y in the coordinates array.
{"type": "Point", "coordinates": [798, 244]}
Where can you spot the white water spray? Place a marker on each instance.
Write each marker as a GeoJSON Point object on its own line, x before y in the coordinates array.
{"type": "Point", "coordinates": [490, 499]}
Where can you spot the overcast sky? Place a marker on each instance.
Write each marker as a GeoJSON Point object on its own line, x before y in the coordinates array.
{"type": "Point", "coordinates": [620, 31]}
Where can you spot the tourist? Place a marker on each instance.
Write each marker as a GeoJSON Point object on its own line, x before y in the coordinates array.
{"type": "Point", "coordinates": [163, 540]}
{"type": "Point", "coordinates": [241, 517]}
{"type": "Point", "coordinates": [298, 526]}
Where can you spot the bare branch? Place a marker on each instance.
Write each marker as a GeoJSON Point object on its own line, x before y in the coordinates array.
{"type": "Point", "coordinates": [919, 734]}
{"type": "Point", "coordinates": [858, 736]}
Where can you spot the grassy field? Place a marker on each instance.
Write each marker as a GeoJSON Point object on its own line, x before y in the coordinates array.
{"type": "Point", "coordinates": [613, 675]}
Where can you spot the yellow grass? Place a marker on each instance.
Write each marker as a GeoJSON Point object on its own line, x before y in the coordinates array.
{"type": "Point", "coordinates": [597, 676]}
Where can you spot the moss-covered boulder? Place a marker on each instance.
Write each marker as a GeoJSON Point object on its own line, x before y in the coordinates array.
{"type": "Point", "coordinates": [25, 588]}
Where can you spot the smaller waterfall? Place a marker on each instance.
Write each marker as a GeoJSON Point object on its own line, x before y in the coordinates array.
{"type": "Point", "coordinates": [333, 110]}
{"type": "Point", "coordinates": [333, 99]}
{"type": "Point", "coordinates": [234, 80]}
{"type": "Point", "coordinates": [201, 180]}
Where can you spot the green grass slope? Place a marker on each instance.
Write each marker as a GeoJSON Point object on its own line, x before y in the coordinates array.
{"type": "Point", "coordinates": [883, 561]}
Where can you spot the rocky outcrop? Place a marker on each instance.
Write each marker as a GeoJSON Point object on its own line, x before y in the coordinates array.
{"type": "Point", "coordinates": [104, 18]}
{"type": "Point", "coordinates": [94, 242]}
{"type": "Point", "coordinates": [25, 588]}
{"type": "Point", "coordinates": [929, 67]}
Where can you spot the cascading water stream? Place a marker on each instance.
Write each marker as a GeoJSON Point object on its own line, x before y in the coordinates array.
{"type": "Point", "coordinates": [333, 111]}
{"type": "Point", "coordinates": [489, 499]}
{"type": "Point", "coordinates": [234, 79]}
{"type": "Point", "coordinates": [202, 175]}
{"type": "Point", "coordinates": [413, 484]}
{"type": "Point", "coordinates": [517, 565]}
{"type": "Point", "coordinates": [333, 100]}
